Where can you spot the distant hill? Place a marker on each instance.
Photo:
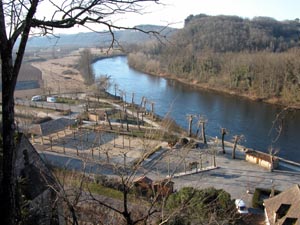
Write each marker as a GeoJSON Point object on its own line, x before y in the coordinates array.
{"type": "Point", "coordinates": [92, 39]}
{"type": "Point", "coordinates": [232, 33]}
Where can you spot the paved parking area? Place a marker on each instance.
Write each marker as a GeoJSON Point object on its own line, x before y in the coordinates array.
{"type": "Point", "coordinates": [238, 177]}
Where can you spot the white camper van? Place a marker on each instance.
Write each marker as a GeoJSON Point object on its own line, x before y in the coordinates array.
{"type": "Point", "coordinates": [51, 99]}
{"type": "Point", "coordinates": [36, 98]}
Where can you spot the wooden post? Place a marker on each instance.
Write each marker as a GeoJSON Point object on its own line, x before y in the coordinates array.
{"type": "Point", "coordinates": [145, 102]}
{"type": "Point", "coordinates": [32, 138]}
{"type": "Point", "coordinates": [116, 87]}
{"type": "Point", "coordinates": [201, 166]}
{"type": "Point", "coordinates": [64, 147]}
{"type": "Point", "coordinates": [87, 136]}
{"type": "Point", "coordinates": [129, 142]}
{"type": "Point", "coordinates": [169, 166]}
{"type": "Point", "coordinates": [107, 156]}
{"type": "Point", "coordinates": [114, 140]}
{"type": "Point", "coordinates": [124, 155]}
{"type": "Point", "coordinates": [126, 119]}
{"type": "Point", "coordinates": [121, 119]}
{"type": "Point", "coordinates": [50, 139]}
{"type": "Point", "coordinates": [214, 160]}
{"type": "Point", "coordinates": [143, 98]}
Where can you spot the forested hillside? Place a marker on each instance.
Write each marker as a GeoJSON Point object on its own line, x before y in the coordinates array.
{"type": "Point", "coordinates": [258, 58]}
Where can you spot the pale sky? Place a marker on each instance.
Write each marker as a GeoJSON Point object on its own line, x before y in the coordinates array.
{"type": "Point", "coordinates": [173, 12]}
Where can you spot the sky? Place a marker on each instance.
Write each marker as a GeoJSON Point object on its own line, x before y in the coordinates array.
{"type": "Point", "coordinates": [174, 12]}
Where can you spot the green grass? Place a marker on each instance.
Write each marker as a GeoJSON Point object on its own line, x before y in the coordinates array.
{"type": "Point", "coordinates": [101, 190]}
{"type": "Point", "coordinates": [67, 101]}
{"type": "Point", "coordinates": [73, 179]}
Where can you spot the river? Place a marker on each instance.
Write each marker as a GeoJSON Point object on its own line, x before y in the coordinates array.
{"type": "Point", "coordinates": [238, 115]}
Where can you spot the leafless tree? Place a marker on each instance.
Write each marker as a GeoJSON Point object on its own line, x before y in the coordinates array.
{"type": "Point", "coordinates": [103, 82]}
{"type": "Point", "coordinates": [17, 20]}
{"type": "Point", "coordinates": [201, 123]}
{"type": "Point", "coordinates": [223, 133]}
{"type": "Point", "coordinates": [85, 67]}
{"type": "Point", "coordinates": [190, 120]}
{"type": "Point", "coordinates": [278, 123]}
{"type": "Point", "coordinates": [237, 139]}
{"type": "Point", "coordinates": [272, 152]}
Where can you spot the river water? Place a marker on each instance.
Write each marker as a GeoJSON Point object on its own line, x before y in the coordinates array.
{"type": "Point", "coordinates": [238, 115]}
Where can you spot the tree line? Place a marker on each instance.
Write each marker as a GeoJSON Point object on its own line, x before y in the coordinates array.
{"type": "Point", "coordinates": [261, 63]}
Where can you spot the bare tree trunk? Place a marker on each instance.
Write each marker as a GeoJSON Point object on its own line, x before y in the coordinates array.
{"type": "Point", "coordinates": [10, 70]}
{"type": "Point", "coordinates": [190, 125]}
{"type": "Point", "coordinates": [8, 198]}
{"type": "Point", "coordinates": [223, 132]}
{"type": "Point", "coordinates": [126, 119]}
{"type": "Point", "coordinates": [108, 120]}
{"type": "Point", "coordinates": [152, 109]}
{"type": "Point", "coordinates": [121, 119]}
{"type": "Point", "coordinates": [203, 133]}
{"type": "Point", "coordinates": [142, 101]}
{"type": "Point", "coordinates": [236, 139]}
{"type": "Point", "coordinates": [138, 119]}
{"type": "Point", "coordinates": [116, 87]}
{"type": "Point", "coordinates": [126, 213]}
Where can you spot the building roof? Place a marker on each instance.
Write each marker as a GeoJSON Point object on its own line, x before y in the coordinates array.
{"type": "Point", "coordinates": [143, 179]}
{"type": "Point", "coordinates": [284, 207]}
{"type": "Point", "coordinates": [40, 187]}
{"type": "Point", "coordinates": [51, 126]}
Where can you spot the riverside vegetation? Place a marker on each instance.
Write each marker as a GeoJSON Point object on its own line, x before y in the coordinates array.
{"type": "Point", "coordinates": [255, 58]}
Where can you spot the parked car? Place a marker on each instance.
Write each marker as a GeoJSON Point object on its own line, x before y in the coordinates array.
{"type": "Point", "coordinates": [36, 98]}
{"type": "Point", "coordinates": [241, 206]}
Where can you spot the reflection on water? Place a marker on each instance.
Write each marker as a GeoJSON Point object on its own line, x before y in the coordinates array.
{"type": "Point", "coordinates": [240, 116]}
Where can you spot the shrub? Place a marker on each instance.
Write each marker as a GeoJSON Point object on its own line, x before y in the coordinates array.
{"type": "Point", "coordinates": [260, 194]}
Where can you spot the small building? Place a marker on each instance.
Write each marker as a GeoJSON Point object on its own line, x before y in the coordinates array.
{"type": "Point", "coordinates": [97, 116]}
{"type": "Point", "coordinates": [163, 188]}
{"type": "Point", "coordinates": [143, 186]}
{"type": "Point", "coordinates": [262, 159]}
{"type": "Point", "coordinates": [50, 127]}
{"type": "Point", "coordinates": [284, 208]}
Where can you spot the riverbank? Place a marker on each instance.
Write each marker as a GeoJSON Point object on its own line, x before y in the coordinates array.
{"type": "Point", "coordinates": [222, 90]}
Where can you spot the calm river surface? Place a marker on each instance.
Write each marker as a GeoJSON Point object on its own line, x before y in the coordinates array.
{"type": "Point", "coordinates": [238, 115]}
